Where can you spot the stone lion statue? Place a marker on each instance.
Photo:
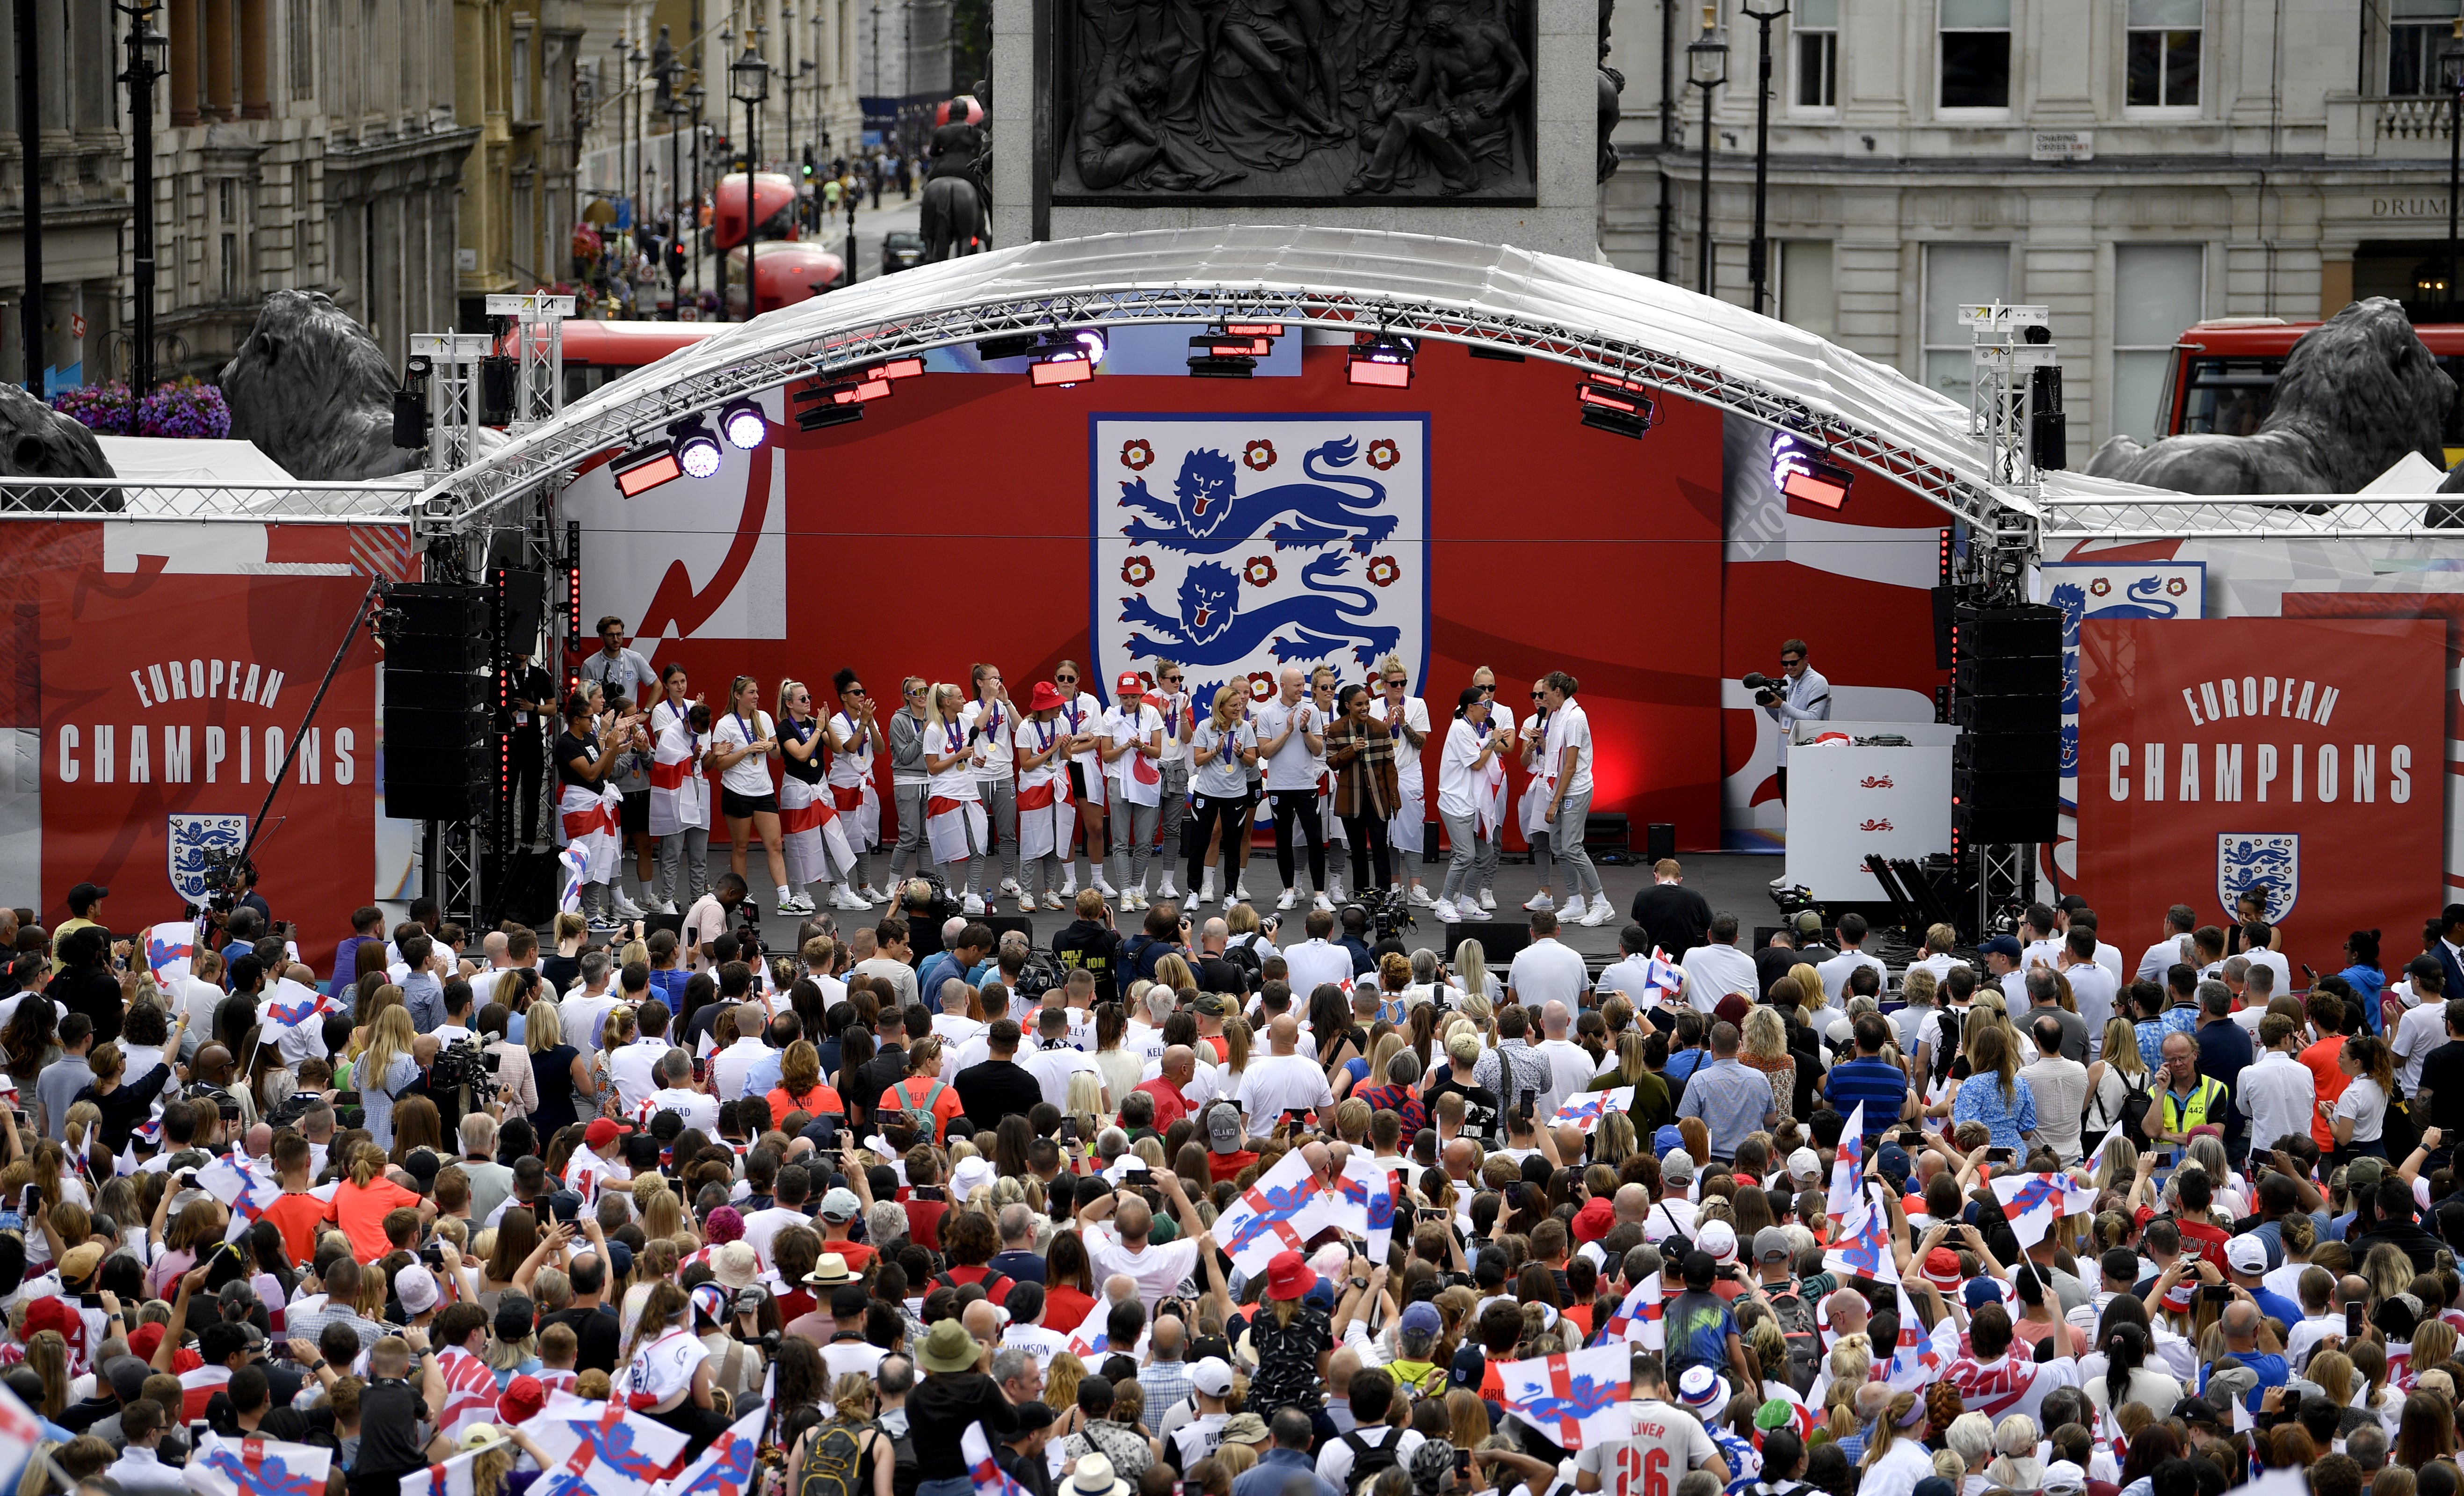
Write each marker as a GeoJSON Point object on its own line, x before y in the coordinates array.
{"type": "Point", "coordinates": [2357, 393]}
{"type": "Point", "coordinates": [39, 442]}
{"type": "Point", "coordinates": [313, 390]}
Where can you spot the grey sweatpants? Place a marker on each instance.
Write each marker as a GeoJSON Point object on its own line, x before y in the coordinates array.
{"type": "Point", "coordinates": [1000, 814]}
{"type": "Point", "coordinates": [1475, 856]}
{"type": "Point", "coordinates": [1566, 840]}
{"type": "Point", "coordinates": [692, 848]}
{"type": "Point", "coordinates": [1174, 810]}
{"type": "Point", "coordinates": [910, 851]}
{"type": "Point", "coordinates": [1134, 828]}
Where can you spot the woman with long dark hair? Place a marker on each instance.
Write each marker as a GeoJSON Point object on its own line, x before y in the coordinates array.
{"type": "Point", "coordinates": [1360, 751]}
{"type": "Point", "coordinates": [2128, 1376]}
{"type": "Point", "coordinates": [2358, 1116]}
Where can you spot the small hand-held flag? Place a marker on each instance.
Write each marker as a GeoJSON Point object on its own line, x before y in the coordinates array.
{"type": "Point", "coordinates": [1848, 1165]}
{"type": "Point", "coordinates": [1638, 1318]}
{"type": "Point", "coordinates": [1280, 1213]}
{"type": "Point", "coordinates": [726, 1467]}
{"type": "Point", "coordinates": [255, 1468]}
{"type": "Point", "coordinates": [1577, 1399]}
{"type": "Point", "coordinates": [1585, 1108]}
{"type": "Point", "coordinates": [1863, 1248]}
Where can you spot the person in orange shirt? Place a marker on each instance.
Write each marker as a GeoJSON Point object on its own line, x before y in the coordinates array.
{"type": "Point", "coordinates": [298, 1213]}
{"type": "Point", "coordinates": [800, 1086]}
{"type": "Point", "coordinates": [923, 1091]}
{"type": "Point", "coordinates": [363, 1196]}
{"type": "Point", "coordinates": [2328, 1016]}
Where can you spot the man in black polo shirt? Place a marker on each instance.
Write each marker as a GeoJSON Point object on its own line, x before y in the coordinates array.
{"type": "Point", "coordinates": [999, 1085]}
{"type": "Point", "coordinates": [393, 1429]}
{"type": "Point", "coordinates": [1675, 916]}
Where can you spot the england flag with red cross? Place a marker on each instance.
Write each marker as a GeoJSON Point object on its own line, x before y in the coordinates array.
{"type": "Point", "coordinates": [451, 1478]}
{"type": "Point", "coordinates": [599, 1449]}
{"type": "Point", "coordinates": [989, 1478]}
{"type": "Point", "coordinates": [1921, 1357]}
{"type": "Point", "coordinates": [246, 1192]}
{"type": "Point", "coordinates": [1280, 1213]}
{"type": "Point", "coordinates": [2032, 1203]}
{"type": "Point", "coordinates": [1578, 1400]}
{"type": "Point", "coordinates": [255, 1468]}
{"type": "Point", "coordinates": [726, 1467]}
{"type": "Point", "coordinates": [470, 1392]}
{"type": "Point", "coordinates": [1638, 1318]}
{"type": "Point", "coordinates": [1849, 1166]}
{"type": "Point", "coordinates": [1863, 1247]}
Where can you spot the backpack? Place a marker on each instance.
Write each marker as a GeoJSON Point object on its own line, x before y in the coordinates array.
{"type": "Point", "coordinates": [919, 1112]}
{"type": "Point", "coordinates": [1244, 959]}
{"type": "Point", "coordinates": [1946, 1048]}
{"type": "Point", "coordinates": [832, 1457]}
{"type": "Point", "coordinates": [1042, 973]}
{"type": "Point", "coordinates": [996, 1287]}
{"type": "Point", "coordinates": [1370, 1460]}
{"type": "Point", "coordinates": [1795, 1316]}
{"type": "Point", "coordinates": [903, 1476]}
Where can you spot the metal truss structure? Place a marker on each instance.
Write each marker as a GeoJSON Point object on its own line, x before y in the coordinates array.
{"type": "Point", "coordinates": [2153, 515]}
{"type": "Point", "coordinates": [367, 501]}
{"type": "Point", "coordinates": [643, 405]}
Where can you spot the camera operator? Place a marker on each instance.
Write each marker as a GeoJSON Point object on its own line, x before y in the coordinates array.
{"type": "Point", "coordinates": [719, 911]}
{"type": "Point", "coordinates": [1800, 696]}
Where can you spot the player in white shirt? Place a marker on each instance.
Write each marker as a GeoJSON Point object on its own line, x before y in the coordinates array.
{"type": "Point", "coordinates": [742, 744]}
{"type": "Point", "coordinates": [1132, 750]}
{"type": "Point", "coordinates": [994, 721]}
{"type": "Point", "coordinates": [1472, 800]}
{"type": "Point", "coordinates": [1047, 812]}
{"type": "Point", "coordinates": [1222, 748]}
{"type": "Point", "coordinates": [679, 796]}
{"type": "Point", "coordinates": [856, 741]}
{"type": "Point", "coordinates": [1407, 829]}
{"type": "Point", "coordinates": [1180, 714]}
{"type": "Point", "coordinates": [1083, 716]}
{"type": "Point", "coordinates": [1667, 1443]}
{"type": "Point", "coordinates": [954, 805]}
{"type": "Point", "coordinates": [2171, 951]}
{"type": "Point", "coordinates": [1565, 750]}
{"type": "Point", "coordinates": [1289, 726]}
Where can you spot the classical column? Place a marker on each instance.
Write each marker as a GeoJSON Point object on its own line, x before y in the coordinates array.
{"type": "Point", "coordinates": [186, 48]}
{"type": "Point", "coordinates": [253, 27]}
{"type": "Point", "coordinates": [221, 101]}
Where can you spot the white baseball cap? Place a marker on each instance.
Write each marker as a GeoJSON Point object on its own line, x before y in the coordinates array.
{"type": "Point", "coordinates": [1719, 1239]}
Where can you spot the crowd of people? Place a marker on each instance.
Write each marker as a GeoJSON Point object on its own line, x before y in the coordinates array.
{"type": "Point", "coordinates": [995, 797]}
{"type": "Point", "coordinates": [2033, 1220]}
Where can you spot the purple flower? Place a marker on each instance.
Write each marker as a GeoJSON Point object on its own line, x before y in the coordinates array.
{"type": "Point", "coordinates": [106, 408]}
{"type": "Point", "coordinates": [185, 408]}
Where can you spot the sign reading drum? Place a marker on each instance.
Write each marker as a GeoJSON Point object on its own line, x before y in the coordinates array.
{"type": "Point", "coordinates": [2299, 757]}
{"type": "Point", "coordinates": [1234, 545]}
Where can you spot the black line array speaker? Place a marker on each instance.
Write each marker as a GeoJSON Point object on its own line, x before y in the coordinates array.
{"type": "Point", "coordinates": [2007, 698]}
{"type": "Point", "coordinates": [1501, 940]}
{"type": "Point", "coordinates": [440, 759]}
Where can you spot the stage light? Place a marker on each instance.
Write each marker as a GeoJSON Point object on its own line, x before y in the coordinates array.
{"type": "Point", "coordinates": [1381, 361]}
{"type": "Point", "coordinates": [1226, 356]}
{"type": "Point", "coordinates": [821, 417]}
{"type": "Point", "coordinates": [743, 424]}
{"type": "Point", "coordinates": [1014, 345]}
{"type": "Point", "coordinates": [1253, 329]}
{"type": "Point", "coordinates": [1092, 341]}
{"type": "Point", "coordinates": [1801, 472]}
{"type": "Point", "coordinates": [1613, 407]}
{"type": "Point", "coordinates": [1062, 369]}
{"type": "Point", "coordinates": [895, 369]}
{"type": "Point", "coordinates": [641, 470]}
{"type": "Point", "coordinates": [696, 449]}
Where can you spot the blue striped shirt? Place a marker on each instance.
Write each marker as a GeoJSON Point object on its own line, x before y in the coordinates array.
{"type": "Point", "coordinates": [1881, 1085]}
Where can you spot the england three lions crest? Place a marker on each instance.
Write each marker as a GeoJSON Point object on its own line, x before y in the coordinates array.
{"type": "Point", "coordinates": [197, 843]}
{"type": "Point", "coordinates": [2247, 860]}
{"type": "Point", "coordinates": [1237, 544]}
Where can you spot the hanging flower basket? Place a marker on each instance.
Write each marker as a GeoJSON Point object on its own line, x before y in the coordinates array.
{"type": "Point", "coordinates": [185, 408]}
{"type": "Point", "coordinates": [108, 410]}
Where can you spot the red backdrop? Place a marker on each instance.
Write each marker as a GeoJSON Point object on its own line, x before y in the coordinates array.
{"type": "Point", "coordinates": [109, 637]}
{"type": "Point", "coordinates": [2362, 792]}
{"type": "Point", "coordinates": [950, 526]}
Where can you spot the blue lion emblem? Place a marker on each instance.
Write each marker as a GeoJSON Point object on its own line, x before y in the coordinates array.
{"type": "Point", "coordinates": [2269, 862]}
{"type": "Point", "coordinates": [1210, 516]}
{"type": "Point", "coordinates": [1212, 630]}
{"type": "Point", "coordinates": [272, 1477]}
{"type": "Point", "coordinates": [190, 839]}
{"type": "Point", "coordinates": [2072, 600]}
{"type": "Point", "coordinates": [1583, 1398]}
{"type": "Point", "coordinates": [2070, 749]}
{"type": "Point", "coordinates": [1282, 1203]}
{"type": "Point", "coordinates": [1380, 1206]}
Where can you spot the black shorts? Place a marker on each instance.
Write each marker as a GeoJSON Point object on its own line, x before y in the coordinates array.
{"type": "Point", "coordinates": [637, 813]}
{"type": "Point", "coordinates": [1077, 781]}
{"type": "Point", "coordinates": [743, 808]}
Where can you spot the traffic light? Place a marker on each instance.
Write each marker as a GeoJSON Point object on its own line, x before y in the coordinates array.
{"type": "Point", "coordinates": [809, 163]}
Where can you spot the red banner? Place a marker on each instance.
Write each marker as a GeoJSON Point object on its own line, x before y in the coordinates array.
{"type": "Point", "coordinates": [156, 755]}
{"type": "Point", "coordinates": [2304, 756]}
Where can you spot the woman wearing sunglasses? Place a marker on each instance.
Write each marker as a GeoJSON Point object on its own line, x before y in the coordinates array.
{"type": "Point", "coordinates": [856, 739]}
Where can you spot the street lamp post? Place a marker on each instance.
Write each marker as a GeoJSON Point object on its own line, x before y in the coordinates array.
{"type": "Point", "coordinates": [787, 64]}
{"type": "Point", "coordinates": [727, 128]}
{"type": "Point", "coordinates": [695, 95]}
{"type": "Point", "coordinates": [641, 143]}
{"type": "Point", "coordinates": [1757, 265]}
{"type": "Point", "coordinates": [749, 80]}
{"type": "Point", "coordinates": [1706, 66]}
{"type": "Point", "coordinates": [147, 51]}
{"type": "Point", "coordinates": [675, 112]}
{"type": "Point", "coordinates": [852, 197]}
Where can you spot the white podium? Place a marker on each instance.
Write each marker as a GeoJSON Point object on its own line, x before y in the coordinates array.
{"type": "Point", "coordinates": [1848, 803]}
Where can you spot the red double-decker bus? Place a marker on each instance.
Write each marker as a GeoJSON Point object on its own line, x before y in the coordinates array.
{"type": "Point", "coordinates": [597, 353]}
{"type": "Point", "coordinates": [2223, 375]}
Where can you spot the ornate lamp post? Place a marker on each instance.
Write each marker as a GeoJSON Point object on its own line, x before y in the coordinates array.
{"type": "Point", "coordinates": [1757, 266]}
{"type": "Point", "coordinates": [1706, 68]}
{"type": "Point", "coordinates": [749, 80]}
{"type": "Point", "coordinates": [2451, 63]}
{"type": "Point", "coordinates": [694, 95]}
{"type": "Point", "coordinates": [149, 53]}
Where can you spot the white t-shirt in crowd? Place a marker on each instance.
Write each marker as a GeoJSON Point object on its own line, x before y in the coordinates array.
{"type": "Point", "coordinates": [1667, 1443]}
{"type": "Point", "coordinates": [1570, 728]}
{"type": "Point", "coordinates": [1156, 1268]}
{"type": "Point", "coordinates": [1292, 767]}
{"type": "Point", "coordinates": [1001, 722]}
{"type": "Point", "coordinates": [1407, 759]}
{"type": "Point", "coordinates": [1548, 968]}
{"type": "Point", "coordinates": [1715, 970]}
{"type": "Point", "coordinates": [1275, 1083]}
{"type": "Point", "coordinates": [749, 775]}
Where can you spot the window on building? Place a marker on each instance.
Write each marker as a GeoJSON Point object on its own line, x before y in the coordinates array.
{"type": "Point", "coordinates": [2157, 291]}
{"type": "Point", "coordinates": [231, 268]}
{"type": "Point", "coordinates": [1806, 297]}
{"type": "Point", "coordinates": [227, 199]}
{"type": "Point", "coordinates": [1817, 28]}
{"type": "Point", "coordinates": [520, 104]}
{"type": "Point", "coordinates": [302, 36]}
{"type": "Point", "coordinates": [2164, 55]}
{"type": "Point", "coordinates": [2416, 29]}
{"type": "Point", "coordinates": [1974, 38]}
{"type": "Point", "coordinates": [1958, 275]}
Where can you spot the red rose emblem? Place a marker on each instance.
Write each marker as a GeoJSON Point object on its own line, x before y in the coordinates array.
{"type": "Point", "coordinates": [1262, 685]}
{"type": "Point", "coordinates": [1383, 454]}
{"type": "Point", "coordinates": [1136, 455]}
{"type": "Point", "coordinates": [1259, 570]}
{"type": "Point", "coordinates": [1137, 571]}
{"type": "Point", "coordinates": [2100, 586]}
{"type": "Point", "coordinates": [1259, 455]}
{"type": "Point", "coordinates": [2175, 587]}
{"type": "Point", "coordinates": [1384, 571]}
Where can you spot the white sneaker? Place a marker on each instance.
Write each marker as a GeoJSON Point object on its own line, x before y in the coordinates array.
{"type": "Point", "coordinates": [1322, 902]}
{"type": "Point", "coordinates": [1601, 911]}
{"type": "Point", "coordinates": [974, 905]}
{"type": "Point", "coordinates": [1104, 886]}
{"type": "Point", "coordinates": [1572, 910]}
{"type": "Point", "coordinates": [605, 923]}
{"type": "Point", "coordinates": [874, 895]}
{"type": "Point", "coordinates": [1289, 898]}
{"type": "Point", "coordinates": [1205, 891]}
{"type": "Point", "coordinates": [1240, 891]}
{"type": "Point", "coordinates": [1488, 901]}
{"type": "Point", "coordinates": [1421, 895]}
{"type": "Point", "coordinates": [1009, 886]}
{"type": "Point", "coordinates": [666, 906]}
{"type": "Point", "coordinates": [1069, 889]}
{"type": "Point", "coordinates": [1446, 914]}
{"type": "Point", "coordinates": [1780, 882]}
{"type": "Point", "coordinates": [1539, 902]}
{"type": "Point", "coordinates": [625, 908]}
{"type": "Point", "coordinates": [1167, 892]}
{"type": "Point", "coordinates": [845, 898]}
{"type": "Point", "coordinates": [1054, 900]}
{"type": "Point", "coordinates": [1334, 889]}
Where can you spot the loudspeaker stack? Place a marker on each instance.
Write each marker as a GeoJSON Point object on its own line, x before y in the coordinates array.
{"type": "Point", "coordinates": [440, 759]}
{"type": "Point", "coordinates": [2007, 698]}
